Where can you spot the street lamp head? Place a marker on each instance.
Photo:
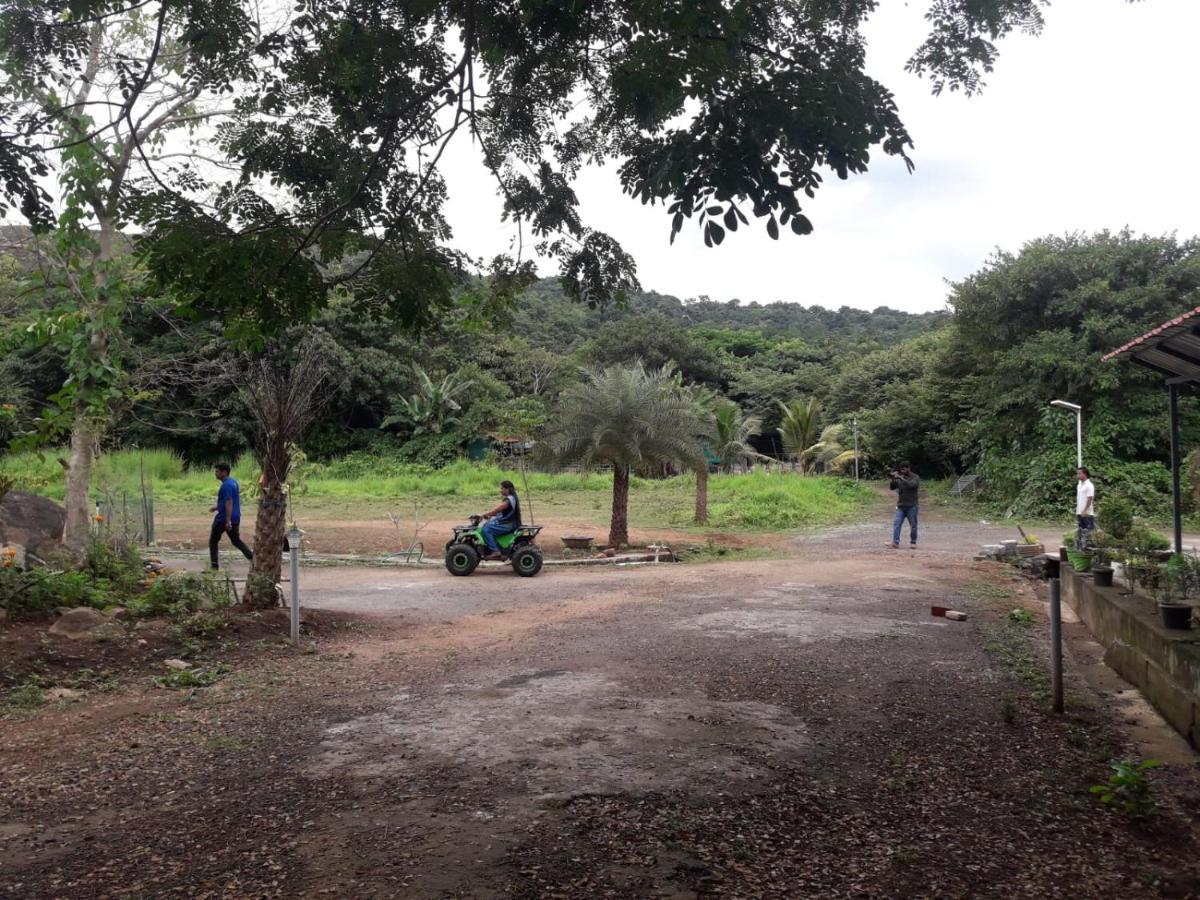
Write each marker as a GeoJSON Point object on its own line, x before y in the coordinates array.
{"type": "Point", "coordinates": [1063, 404]}
{"type": "Point", "coordinates": [293, 538]}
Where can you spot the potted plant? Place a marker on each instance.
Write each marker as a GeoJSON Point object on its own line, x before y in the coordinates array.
{"type": "Point", "coordinates": [1080, 560]}
{"type": "Point", "coordinates": [1068, 542]}
{"type": "Point", "coordinates": [1102, 571]}
{"type": "Point", "coordinates": [1150, 542]}
{"type": "Point", "coordinates": [1178, 583]}
{"type": "Point", "coordinates": [1030, 546]}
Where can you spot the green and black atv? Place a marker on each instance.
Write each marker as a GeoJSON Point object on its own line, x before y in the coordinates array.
{"type": "Point", "coordinates": [467, 548]}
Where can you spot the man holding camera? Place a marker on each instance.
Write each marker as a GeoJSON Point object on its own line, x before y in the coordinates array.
{"type": "Point", "coordinates": [906, 483]}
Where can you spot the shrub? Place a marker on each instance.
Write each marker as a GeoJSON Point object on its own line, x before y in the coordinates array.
{"type": "Point", "coordinates": [1146, 539]}
{"type": "Point", "coordinates": [36, 591]}
{"type": "Point", "coordinates": [179, 594]}
{"type": "Point", "coordinates": [1042, 484]}
{"type": "Point", "coordinates": [107, 562]}
{"type": "Point", "coordinates": [1116, 516]}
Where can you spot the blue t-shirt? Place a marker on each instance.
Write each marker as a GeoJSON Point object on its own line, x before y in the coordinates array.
{"type": "Point", "coordinates": [229, 491]}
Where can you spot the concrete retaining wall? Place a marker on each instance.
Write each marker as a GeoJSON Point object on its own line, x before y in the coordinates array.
{"type": "Point", "coordinates": [1163, 664]}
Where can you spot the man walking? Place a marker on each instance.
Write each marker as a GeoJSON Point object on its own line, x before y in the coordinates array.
{"type": "Point", "coordinates": [1085, 502]}
{"type": "Point", "coordinates": [906, 483]}
{"type": "Point", "coordinates": [228, 516]}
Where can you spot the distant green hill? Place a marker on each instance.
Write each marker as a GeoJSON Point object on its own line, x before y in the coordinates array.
{"type": "Point", "coordinates": [547, 318]}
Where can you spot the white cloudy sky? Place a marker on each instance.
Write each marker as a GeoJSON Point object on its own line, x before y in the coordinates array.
{"type": "Point", "coordinates": [1093, 125]}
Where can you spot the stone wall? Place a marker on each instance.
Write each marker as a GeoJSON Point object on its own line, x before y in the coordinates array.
{"type": "Point", "coordinates": [1163, 664]}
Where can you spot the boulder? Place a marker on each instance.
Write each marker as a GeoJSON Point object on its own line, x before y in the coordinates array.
{"type": "Point", "coordinates": [176, 665]}
{"type": "Point", "coordinates": [33, 522]}
{"type": "Point", "coordinates": [78, 623]}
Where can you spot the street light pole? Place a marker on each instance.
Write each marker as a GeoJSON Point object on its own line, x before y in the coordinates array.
{"type": "Point", "coordinates": [856, 449]}
{"type": "Point", "coordinates": [1078, 410]}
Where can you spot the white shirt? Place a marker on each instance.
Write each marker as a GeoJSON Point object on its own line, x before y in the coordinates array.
{"type": "Point", "coordinates": [1084, 491]}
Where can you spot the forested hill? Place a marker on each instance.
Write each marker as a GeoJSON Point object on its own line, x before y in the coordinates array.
{"type": "Point", "coordinates": [966, 389]}
{"type": "Point", "coordinates": [547, 318]}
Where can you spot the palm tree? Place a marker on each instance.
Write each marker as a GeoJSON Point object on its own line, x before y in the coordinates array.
{"type": "Point", "coordinates": [830, 451]}
{"type": "Point", "coordinates": [798, 429]}
{"type": "Point", "coordinates": [734, 430]}
{"type": "Point", "coordinates": [626, 416]}
{"type": "Point", "coordinates": [728, 440]}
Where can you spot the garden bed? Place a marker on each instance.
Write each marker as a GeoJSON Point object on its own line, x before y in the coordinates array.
{"type": "Point", "coordinates": [38, 667]}
{"type": "Point", "coordinates": [1164, 664]}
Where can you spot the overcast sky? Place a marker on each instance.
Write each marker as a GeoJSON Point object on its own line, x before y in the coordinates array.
{"type": "Point", "coordinates": [1092, 125]}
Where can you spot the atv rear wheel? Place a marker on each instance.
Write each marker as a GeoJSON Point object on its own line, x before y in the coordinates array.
{"type": "Point", "coordinates": [461, 559]}
{"type": "Point", "coordinates": [527, 561]}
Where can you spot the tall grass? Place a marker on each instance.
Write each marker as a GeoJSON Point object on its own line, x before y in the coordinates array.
{"type": "Point", "coordinates": [354, 478]}
{"type": "Point", "coordinates": [762, 501]}
{"type": "Point", "coordinates": [757, 501]}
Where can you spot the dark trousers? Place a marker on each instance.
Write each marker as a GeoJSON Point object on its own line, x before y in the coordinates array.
{"type": "Point", "coordinates": [214, 538]}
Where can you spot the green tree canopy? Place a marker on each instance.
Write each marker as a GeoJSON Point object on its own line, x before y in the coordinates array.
{"type": "Point", "coordinates": [334, 118]}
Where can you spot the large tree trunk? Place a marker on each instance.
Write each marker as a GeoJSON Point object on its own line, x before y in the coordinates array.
{"type": "Point", "coordinates": [270, 526]}
{"type": "Point", "coordinates": [702, 495]}
{"type": "Point", "coordinates": [85, 427]}
{"type": "Point", "coordinates": [79, 477]}
{"type": "Point", "coordinates": [618, 531]}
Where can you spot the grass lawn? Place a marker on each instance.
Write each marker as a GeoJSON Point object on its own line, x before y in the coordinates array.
{"type": "Point", "coordinates": [364, 488]}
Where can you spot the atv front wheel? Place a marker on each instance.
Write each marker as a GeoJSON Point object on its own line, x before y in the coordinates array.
{"type": "Point", "coordinates": [461, 559]}
{"type": "Point", "coordinates": [527, 561]}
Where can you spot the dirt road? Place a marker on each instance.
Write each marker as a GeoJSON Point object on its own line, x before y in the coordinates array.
{"type": "Point", "coordinates": [782, 728]}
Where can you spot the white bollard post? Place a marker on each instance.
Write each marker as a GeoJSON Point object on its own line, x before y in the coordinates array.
{"type": "Point", "coordinates": [293, 539]}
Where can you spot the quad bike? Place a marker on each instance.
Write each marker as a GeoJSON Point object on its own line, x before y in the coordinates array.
{"type": "Point", "coordinates": [467, 548]}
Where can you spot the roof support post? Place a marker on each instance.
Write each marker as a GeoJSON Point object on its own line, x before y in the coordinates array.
{"type": "Point", "coordinates": [1176, 496]}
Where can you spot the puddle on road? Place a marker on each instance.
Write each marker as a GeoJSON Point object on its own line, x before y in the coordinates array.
{"type": "Point", "coordinates": [566, 732]}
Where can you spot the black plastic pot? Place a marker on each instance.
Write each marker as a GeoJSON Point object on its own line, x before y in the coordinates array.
{"type": "Point", "coordinates": [1176, 615]}
{"type": "Point", "coordinates": [1102, 576]}
{"type": "Point", "coordinates": [1053, 567]}
{"type": "Point", "coordinates": [1062, 554]}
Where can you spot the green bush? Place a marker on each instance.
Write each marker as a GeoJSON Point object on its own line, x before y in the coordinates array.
{"type": "Point", "coordinates": [37, 591]}
{"type": "Point", "coordinates": [1042, 485]}
{"type": "Point", "coordinates": [179, 594]}
{"type": "Point", "coordinates": [1146, 539]}
{"type": "Point", "coordinates": [1116, 517]}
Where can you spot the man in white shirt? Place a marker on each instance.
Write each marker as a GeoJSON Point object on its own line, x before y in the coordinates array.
{"type": "Point", "coordinates": [1085, 501]}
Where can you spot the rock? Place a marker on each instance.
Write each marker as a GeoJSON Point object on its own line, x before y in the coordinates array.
{"type": "Point", "coordinates": [62, 693]}
{"type": "Point", "coordinates": [78, 623]}
{"type": "Point", "coordinates": [33, 522]}
{"type": "Point", "coordinates": [117, 612]}
{"type": "Point", "coordinates": [112, 630]}
{"type": "Point", "coordinates": [955, 615]}
{"type": "Point", "coordinates": [177, 665]}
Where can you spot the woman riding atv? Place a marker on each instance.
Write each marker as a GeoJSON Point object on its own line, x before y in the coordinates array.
{"type": "Point", "coordinates": [504, 519]}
